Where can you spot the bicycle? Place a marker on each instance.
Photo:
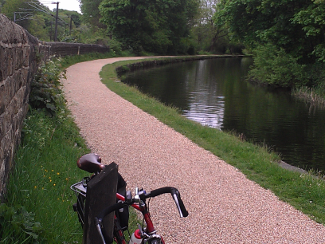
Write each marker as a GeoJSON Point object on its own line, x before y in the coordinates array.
{"type": "Point", "coordinates": [118, 224]}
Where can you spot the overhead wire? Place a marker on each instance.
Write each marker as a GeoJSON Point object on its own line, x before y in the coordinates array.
{"type": "Point", "coordinates": [38, 6]}
{"type": "Point", "coordinates": [44, 9]}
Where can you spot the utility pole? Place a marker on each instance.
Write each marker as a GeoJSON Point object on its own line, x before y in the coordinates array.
{"type": "Point", "coordinates": [56, 20]}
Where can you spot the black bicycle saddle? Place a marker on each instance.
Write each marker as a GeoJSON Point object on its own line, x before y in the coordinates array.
{"type": "Point", "coordinates": [91, 163]}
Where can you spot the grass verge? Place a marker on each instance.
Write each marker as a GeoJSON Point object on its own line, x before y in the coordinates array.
{"type": "Point", "coordinates": [45, 167]}
{"type": "Point", "coordinates": [304, 192]}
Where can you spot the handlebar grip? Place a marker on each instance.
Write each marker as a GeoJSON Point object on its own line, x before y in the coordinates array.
{"type": "Point", "coordinates": [179, 203]}
{"type": "Point", "coordinates": [182, 206]}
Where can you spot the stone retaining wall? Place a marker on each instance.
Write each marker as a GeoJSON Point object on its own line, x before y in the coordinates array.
{"type": "Point", "coordinates": [18, 65]}
{"type": "Point", "coordinates": [20, 56]}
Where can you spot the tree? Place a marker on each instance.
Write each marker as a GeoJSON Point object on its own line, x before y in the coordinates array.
{"type": "Point", "coordinates": [2, 2]}
{"type": "Point", "coordinates": [312, 20]}
{"type": "Point", "coordinates": [209, 37]}
{"type": "Point", "coordinates": [37, 27]}
{"type": "Point", "coordinates": [159, 26]}
{"type": "Point", "coordinates": [286, 27]}
{"type": "Point", "coordinates": [91, 14]}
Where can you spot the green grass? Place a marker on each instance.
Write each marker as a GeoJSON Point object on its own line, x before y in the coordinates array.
{"type": "Point", "coordinates": [304, 192]}
{"type": "Point", "coordinates": [45, 168]}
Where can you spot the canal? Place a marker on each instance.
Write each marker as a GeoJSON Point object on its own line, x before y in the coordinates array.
{"type": "Point", "coordinates": [214, 92]}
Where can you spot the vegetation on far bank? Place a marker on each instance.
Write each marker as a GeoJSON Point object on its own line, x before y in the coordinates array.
{"type": "Point", "coordinates": [313, 96]}
{"type": "Point", "coordinates": [286, 38]}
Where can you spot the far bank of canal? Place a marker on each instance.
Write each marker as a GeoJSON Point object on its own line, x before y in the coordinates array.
{"type": "Point", "coordinates": [215, 93]}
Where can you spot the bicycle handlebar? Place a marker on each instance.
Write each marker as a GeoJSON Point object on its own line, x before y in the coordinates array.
{"type": "Point", "coordinates": [176, 196]}
{"type": "Point", "coordinates": [92, 163]}
{"type": "Point", "coordinates": [173, 191]}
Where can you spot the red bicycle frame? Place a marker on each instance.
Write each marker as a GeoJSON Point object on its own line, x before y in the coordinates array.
{"type": "Point", "coordinates": [146, 215]}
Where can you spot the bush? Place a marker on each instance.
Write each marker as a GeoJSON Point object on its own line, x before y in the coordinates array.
{"type": "Point", "coordinates": [45, 88]}
{"type": "Point", "coordinates": [275, 67]}
{"type": "Point", "coordinates": [115, 46]}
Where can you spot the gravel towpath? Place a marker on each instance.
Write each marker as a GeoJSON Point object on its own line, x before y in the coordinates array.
{"type": "Point", "coordinates": [224, 206]}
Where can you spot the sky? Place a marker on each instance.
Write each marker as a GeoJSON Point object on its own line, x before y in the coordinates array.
{"type": "Point", "coordinates": [63, 4]}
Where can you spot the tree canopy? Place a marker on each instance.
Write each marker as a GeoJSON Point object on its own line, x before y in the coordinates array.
{"type": "Point", "coordinates": [286, 30]}
{"type": "Point", "coordinates": [159, 26]}
{"type": "Point", "coordinates": [204, 30]}
{"type": "Point", "coordinates": [90, 11]}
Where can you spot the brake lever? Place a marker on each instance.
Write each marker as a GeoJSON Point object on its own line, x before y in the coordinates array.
{"type": "Point", "coordinates": [128, 197]}
{"type": "Point", "coordinates": [99, 229]}
{"type": "Point", "coordinates": [137, 197]}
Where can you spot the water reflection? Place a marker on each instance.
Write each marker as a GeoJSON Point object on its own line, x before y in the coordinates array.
{"type": "Point", "coordinates": [214, 93]}
{"type": "Point", "coordinates": [206, 100]}
{"type": "Point", "coordinates": [207, 115]}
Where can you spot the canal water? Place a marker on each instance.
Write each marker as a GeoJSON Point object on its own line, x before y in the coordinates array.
{"type": "Point", "coordinates": [214, 93]}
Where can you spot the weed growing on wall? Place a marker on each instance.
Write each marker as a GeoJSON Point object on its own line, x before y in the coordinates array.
{"type": "Point", "coordinates": [45, 88]}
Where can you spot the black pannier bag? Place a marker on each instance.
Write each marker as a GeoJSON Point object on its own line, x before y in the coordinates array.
{"type": "Point", "coordinates": [122, 214]}
{"type": "Point", "coordinates": [91, 197]}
